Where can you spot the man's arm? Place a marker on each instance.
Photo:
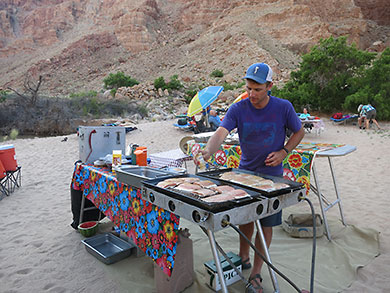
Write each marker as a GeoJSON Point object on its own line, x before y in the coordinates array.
{"type": "Point", "coordinates": [214, 142]}
{"type": "Point", "coordinates": [294, 140]}
{"type": "Point", "coordinates": [275, 158]}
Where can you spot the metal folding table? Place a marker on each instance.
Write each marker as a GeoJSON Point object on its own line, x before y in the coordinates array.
{"type": "Point", "coordinates": [326, 204]}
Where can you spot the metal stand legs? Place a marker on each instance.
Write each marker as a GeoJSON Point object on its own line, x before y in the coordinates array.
{"type": "Point", "coordinates": [213, 246]}
{"type": "Point", "coordinates": [267, 256]}
{"type": "Point", "coordinates": [217, 261]}
{"type": "Point", "coordinates": [325, 204]}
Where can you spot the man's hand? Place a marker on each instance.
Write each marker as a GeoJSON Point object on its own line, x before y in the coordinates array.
{"type": "Point", "coordinates": [206, 154]}
{"type": "Point", "coordinates": [275, 158]}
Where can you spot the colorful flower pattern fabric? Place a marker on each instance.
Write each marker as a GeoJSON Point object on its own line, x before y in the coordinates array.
{"type": "Point", "coordinates": [152, 229]}
{"type": "Point", "coordinates": [296, 166]}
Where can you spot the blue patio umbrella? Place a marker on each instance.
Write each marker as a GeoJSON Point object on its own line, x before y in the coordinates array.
{"type": "Point", "coordinates": [203, 99]}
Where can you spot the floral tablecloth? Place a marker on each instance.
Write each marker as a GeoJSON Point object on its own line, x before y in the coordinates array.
{"type": "Point", "coordinates": [296, 166]}
{"type": "Point", "coordinates": [152, 229]}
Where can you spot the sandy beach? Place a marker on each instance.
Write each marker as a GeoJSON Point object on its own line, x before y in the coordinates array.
{"type": "Point", "coordinates": [40, 252]}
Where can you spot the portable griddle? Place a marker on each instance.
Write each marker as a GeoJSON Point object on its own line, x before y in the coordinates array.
{"type": "Point", "coordinates": [211, 216]}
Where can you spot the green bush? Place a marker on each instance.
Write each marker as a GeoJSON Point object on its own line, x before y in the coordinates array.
{"type": "Point", "coordinates": [119, 79]}
{"type": "Point", "coordinates": [373, 87]}
{"type": "Point", "coordinates": [14, 133]}
{"type": "Point", "coordinates": [3, 95]}
{"type": "Point", "coordinates": [326, 75]}
{"type": "Point", "coordinates": [83, 94]}
{"type": "Point", "coordinates": [216, 73]}
{"type": "Point", "coordinates": [173, 84]}
{"type": "Point", "coordinates": [159, 83]}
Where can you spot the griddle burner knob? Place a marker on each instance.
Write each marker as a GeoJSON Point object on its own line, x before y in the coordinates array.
{"type": "Point", "coordinates": [199, 218]}
{"type": "Point", "coordinates": [171, 206]}
{"type": "Point", "coordinates": [152, 198]}
{"type": "Point", "coordinates": [225, 219]}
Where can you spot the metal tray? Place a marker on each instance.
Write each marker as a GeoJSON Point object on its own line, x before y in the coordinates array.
{"type": "Point", "coordinates": [209, 206]}
{"type": "Point", "coordinates": [293, 185]}
{"type": "Point", "coordinates": [108, 248]}
{"type": "Point", "coordinates": [133, 175]}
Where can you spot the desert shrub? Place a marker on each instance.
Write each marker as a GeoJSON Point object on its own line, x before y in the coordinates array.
{"type": "Point", "coordinates": [325, 75]}
{"type": "Point", "coordinates": [173, 84]}
{"type": "Point", "coordinates": [373, 87]}
{"type": "Point", "coordinates": [216, 73]}
{"type": "Point", "coordinates": [159, 83]}
{"type": "Point", "coordinates": [14, 133]}
{"type": "Point", "coordinates": [142, 110]}
{"type": "Point", "coordinates": [119, 79]}
{"type": "Point", "coordinates": [83, 94]}
{"type": "Point", "coordinates": [3, 95]}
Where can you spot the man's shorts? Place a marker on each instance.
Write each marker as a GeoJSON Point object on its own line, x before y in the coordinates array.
{"type": "Point", "coordinates": [273, 220]}
{"type": "Point", "coordinates": [371, 114]}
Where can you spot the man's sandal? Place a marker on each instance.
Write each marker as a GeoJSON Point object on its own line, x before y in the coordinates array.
{"type": "Point", "coordinates": [250, 287]}
{"type": "Point", "coordinates": [246, 265]}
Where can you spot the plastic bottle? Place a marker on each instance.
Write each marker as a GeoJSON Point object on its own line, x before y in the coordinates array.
{"type": "Point", "coordinates": [141, 156]}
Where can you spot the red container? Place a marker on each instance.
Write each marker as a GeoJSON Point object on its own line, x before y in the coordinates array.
{"type": "Point", "coordinates": [141, 157]}
{"type": "Point", "coordinates": [8, 157]}
{"type": "Point", "coordinates": [2, 171]}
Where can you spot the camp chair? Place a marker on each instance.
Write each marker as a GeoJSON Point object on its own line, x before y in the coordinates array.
{"type": "Point", "coordinates": [9, 180]}
{"type": "Point", "coordinates": [3, 182]}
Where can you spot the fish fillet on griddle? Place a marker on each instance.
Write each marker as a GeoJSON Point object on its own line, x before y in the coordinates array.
{"type": "Point", "coordinates": [231, 195]}
{"type": "Point", "coordinates": [205, 184]}
{"type": "Point", "coordinates": [187, 187]}
{"type": "Point", "coordinates": [204, 192]}
{"type": "Point", "coordinates": [166, 184]}
{"type": "Point", "coordinates": [222, 188]}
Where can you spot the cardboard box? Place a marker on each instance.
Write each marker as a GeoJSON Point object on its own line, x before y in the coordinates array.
{"type": "Point", "coordinates": [183, 271]}
{"type": "Point", "coordinates": [229, 273]}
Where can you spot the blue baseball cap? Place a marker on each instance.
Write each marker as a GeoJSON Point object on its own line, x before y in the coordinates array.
{"type": "Point", "coordinates": [259, 72]}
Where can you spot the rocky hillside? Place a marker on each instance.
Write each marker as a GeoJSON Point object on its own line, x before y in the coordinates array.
{"type": "Point", "coordinates": [75, 44]}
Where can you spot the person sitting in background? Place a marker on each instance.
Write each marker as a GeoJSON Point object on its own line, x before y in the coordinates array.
{"type": "Point", "coordinates": [214, 120]}
{"type": "Point", "coordinates": [367, 114]}
{"type": "Point", "coordinates": [306, 116]}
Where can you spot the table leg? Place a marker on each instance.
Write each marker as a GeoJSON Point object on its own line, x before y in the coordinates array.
{"type": "Point", "coordinates": [317, 190]}
{"type": "Point", "coordinates": [82, 208]}
{"type": "Point", "coordinates": [267, 256]}
{"type": "Point", "coordinates": [336, 190]}
{"type": "Point", "coordinates": [213, 245]}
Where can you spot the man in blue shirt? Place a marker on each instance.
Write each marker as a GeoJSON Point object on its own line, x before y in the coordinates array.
{"type": "Point", "coordinates": [367, 114]}
{"type": "Point", "coordinates": [261, 121]}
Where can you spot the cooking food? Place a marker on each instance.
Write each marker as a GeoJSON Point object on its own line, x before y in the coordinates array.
{"type": "Point", "coordinates": [255, 181]}
{"type": "Point", "coordinates": [204, 189]}
{"type": "Point", "coordinates": [187, 186]}
{"type": "Point", "coordinates": [222, 188]}
{"type": "Point", "coordinates": [204, 192]}
{"type": "Point", "coordinates": [231, 195]}
{"type": "Point", "coordinates": [205, 183]}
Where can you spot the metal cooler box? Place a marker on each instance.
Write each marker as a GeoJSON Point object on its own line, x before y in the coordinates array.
{"type": "Point", "coordinates": [98, 141]}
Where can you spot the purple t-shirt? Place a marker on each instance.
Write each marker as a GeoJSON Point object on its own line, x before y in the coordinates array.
{"type": "Point", "coordinates": [261, 131]}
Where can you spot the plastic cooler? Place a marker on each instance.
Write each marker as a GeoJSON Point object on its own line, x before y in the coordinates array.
{"type": "Point", "coordinates": [8, 157]}
{"type": "Point", "coordinates": [2, 171]}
